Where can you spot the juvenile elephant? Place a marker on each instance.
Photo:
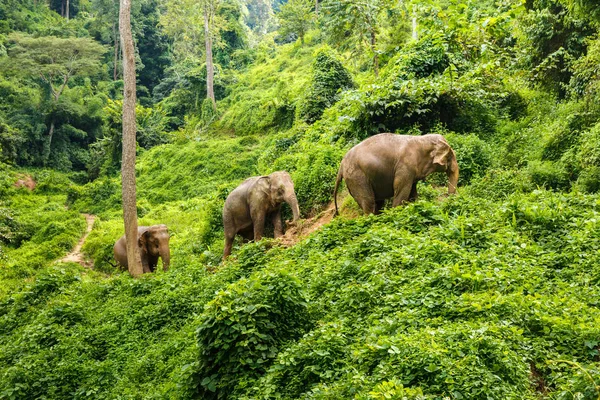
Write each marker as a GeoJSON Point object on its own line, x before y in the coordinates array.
{"type": "Point", "coordinates": [255, 200]}
{"type": "Point", "coordinates": [153, 242]}
{"type": "Point", "coordinates": [389, 166]}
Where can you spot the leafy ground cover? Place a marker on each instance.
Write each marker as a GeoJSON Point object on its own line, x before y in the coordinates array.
{"type": "Point", "coordinates": [491, 294]}
{"type": "Point", "coordinates": [465, 297]}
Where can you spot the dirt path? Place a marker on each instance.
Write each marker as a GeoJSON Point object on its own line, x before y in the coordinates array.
{"type": "Point", "coordinates": [296, 233]}
{"type": "Point", "coordinates": [75, 255]}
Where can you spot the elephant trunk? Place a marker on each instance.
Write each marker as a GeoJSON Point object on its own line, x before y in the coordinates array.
{"type": "Point", "coordinates": [293, 202]}
{"type": "Point", "coordinates": [452, 173]}
{"type": "Point", "coordinates": [165, 254]}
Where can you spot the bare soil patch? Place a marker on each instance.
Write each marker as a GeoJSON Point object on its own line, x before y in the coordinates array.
{"type": "Point", "coordinates": [301, 229]}
{"type": "Point", "coordinates": [76, 255]}
{"type": "Point", "coordinates": [25, 181]}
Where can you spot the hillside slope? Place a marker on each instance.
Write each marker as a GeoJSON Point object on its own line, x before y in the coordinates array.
{"type": "Point", "coordinates": [467, 297]}
{"type": "Point", "coordinates": [489, 294]}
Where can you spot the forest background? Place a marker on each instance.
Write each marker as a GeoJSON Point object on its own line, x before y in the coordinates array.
{"type": "Point", "coordinates": [489, 294]}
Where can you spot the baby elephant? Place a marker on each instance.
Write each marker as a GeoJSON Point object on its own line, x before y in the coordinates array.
{"type": "Point", "coordinates": [153, 242]}
{"type": "Point", "coordinates": [389, 166]}
{"type": "Point", "coordinates": [255, 200]}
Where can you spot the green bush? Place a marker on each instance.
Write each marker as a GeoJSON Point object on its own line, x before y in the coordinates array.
{"type": "Point", "coordinates": [99, 244]}
{"type": "Point", "coordinates": [589, 180]}
{"type": "Point", "coordinates": [318, 356]}
{"type": "Point", "coordinates": [500, 183]}
{"type": "Point", "coordinates": [590, 148]}
{"type": "Point", "coordinates": [244, 327]}
{"type": "Point", "coordinates": [420, 59]}
{"type": "Point", "coordinates": [50, 181]}
{"type": "Point", "coordinates": [97, 196]}
{"type": "Point", "coordinates": [328, 78]}
{"type": "Point", "coordinates": [588, 159]}
{"type": "Point", "coordinates": [549, 175]}
{"type": "Point", "coordinates": [313, 169]}
{"type": "Point", "coordinates": [474, 156]}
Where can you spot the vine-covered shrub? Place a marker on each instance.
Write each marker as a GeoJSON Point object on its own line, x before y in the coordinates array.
{"type": "Point", "coordinates": [244, 327]}
{"type": "Point", "coordinates": [566, 131]}
{"type": "Point", "coordinates": [500, 183]}
{"type": "Point", "coordinates": [313, 171]}
{"type": "Point", "coordinates": [420, 59]}
{"type": "Point", "coordinates": [329, 78]}
{"type": "Point", "coordinates": [97, 196]}
{"type": "Point", "coordinates": [316, 357]}
{"type": "Point", "coordinates": [549, 175]}
{"type": "Point", "coordinates": [473, 155]}
{"type": "Point", "coordinates": [589, 160]}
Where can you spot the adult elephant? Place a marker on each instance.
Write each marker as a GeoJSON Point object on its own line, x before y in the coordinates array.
{"type": "Point", "coordinates": [389, 166]}
{"type": "Point", "coordinates": [153, 242]}
{"type": "Point", "coordinates": [253, 202]}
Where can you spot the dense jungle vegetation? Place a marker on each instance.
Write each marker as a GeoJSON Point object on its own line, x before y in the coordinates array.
{"type": "Point", "coordinates": [490, 294]}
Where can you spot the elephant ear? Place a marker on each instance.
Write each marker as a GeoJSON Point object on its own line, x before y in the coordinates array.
{"type": "Point", "coordinates": [441, 153]}
{"type": "Point", "coordinates": [143, 240]}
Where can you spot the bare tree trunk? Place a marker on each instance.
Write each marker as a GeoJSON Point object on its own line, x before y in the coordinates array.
{"type": "Point", "coordinates": [62, 8]}
{"type": "Point", "coordinates": [67, 10]}
{"type": "Point", "coordinates": [116, 57]}
{"type": "Point", "coordinates": [48, 144]}
{"type": "Point", "coordinates": [210, 69]}
{"type": "Point", "coordinates": [316, 8]}
{"type": "Point", "coordinates": [415, 35]}
{"type": "Point", "coordinates": [129, 129]}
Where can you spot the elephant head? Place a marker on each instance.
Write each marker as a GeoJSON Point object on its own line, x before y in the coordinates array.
{"type": "Point", "coordinates": [155, 243]}
{"type": "Point", "coordinates": [444, 160]}
{"type": "Point", "coordinates": [282, 190]}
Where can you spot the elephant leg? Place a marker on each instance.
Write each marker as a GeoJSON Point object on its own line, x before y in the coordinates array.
{"type": "Point", "coordinates": [228, 244]}
{"type": "Point", "coordinates": [258, 221]}
{"type": "Point", "coordinates": [230, 233]}
{"type": "Point", "coordinates": [247, 234]}
{"type": "Point", "coordinates": [402, 190]}
{"type": "Point", "coordinates": [360, 189]}
{"type": "Point", "coordinates": [277, 223]}
{"type": "Point", "coordinates": [145, 267]}
{"type": "Point", "coordinates": [152, 263]}
{"type": "Point", "coordinates": [379, 205]}
{"type": "Point", "coordinates": [413, 192]}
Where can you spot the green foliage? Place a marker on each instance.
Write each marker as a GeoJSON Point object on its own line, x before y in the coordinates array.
{"type": "Point", "coordinates": [554, 39]}
{"type": "Point", "coordinates": [243, 328]}
{"type": "Point", "coordinates": [422, 58]}
{"type": "Point", "coordinates": [354, 24]}
{"type": "Point", "coordinates": [295, 19]}
{"type": "Point", "coordinates": [589, 160]}
{"type": "Point", "coordinates": [548, 175]}
{"type": "Point", "coordinates": [329, 78]}
{"type": "Point", "coordinates": [313, 168]}
{"type": "Point", "coordinates": [264, 97]}
{"type": "Point", "coordinates": [473, 155]}
{"type": "Point", "coordinates": [500, 184]}
{"type": "Point", "coordinates": [487, 294]}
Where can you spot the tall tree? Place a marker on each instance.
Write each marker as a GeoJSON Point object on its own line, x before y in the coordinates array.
{"type": "Point", "coordinates": [55, 61]}
{"type": "Point", "coordinates": [209, 15]}
{"type": "Point", "coordinates": [295, 17]}
{"type": "Point", "coordinates": [182, 21]}
{"type": "Point", "coordinates": [105, 27]}
{"type": "Point", "coordinates": [356, 20]}
{"type": "Point", "coordinates": [129, 141]}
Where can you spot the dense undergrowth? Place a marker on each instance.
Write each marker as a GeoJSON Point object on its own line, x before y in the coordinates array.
{"type": "Point", "coordinates": [465, 297]}
{"type": "Point", "coordinates": [490, 294]}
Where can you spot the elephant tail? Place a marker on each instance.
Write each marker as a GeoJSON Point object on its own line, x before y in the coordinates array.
{"type": "Point", "coordinates": [339, 178]}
